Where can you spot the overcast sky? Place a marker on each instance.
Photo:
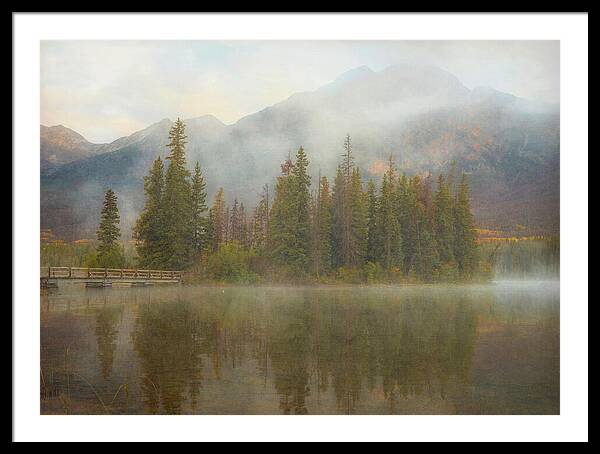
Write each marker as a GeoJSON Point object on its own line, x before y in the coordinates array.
{"type": "Point", "coordinates": [108, 89]}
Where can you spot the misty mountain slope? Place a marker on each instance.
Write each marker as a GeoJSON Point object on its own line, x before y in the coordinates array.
{"type": "Point", "coordinates": [423, 116]}
{"type": "Point", "coordinates": [60, 145]}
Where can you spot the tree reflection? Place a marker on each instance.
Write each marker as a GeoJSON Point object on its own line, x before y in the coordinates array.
{"type": "Point", "coordinates": [290, 355]}
{"type": "Point", "coordinates": [349, 347]}
{"type": "Point", "coordinates": [412, 347]}
{"type": "Point", "coordinates": [347, 350]}
{"type": "Point", "coordinates": [167, 339]}
{"type": "Point", "coordinates": [107, 319]}
{"type": "Point", "coordinates": [344, 344]}
{"type": "Point", "coordinates": [426, 347]}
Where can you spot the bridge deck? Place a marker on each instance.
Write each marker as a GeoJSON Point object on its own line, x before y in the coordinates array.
{"type": "Point", "coordinates": [122, 275]}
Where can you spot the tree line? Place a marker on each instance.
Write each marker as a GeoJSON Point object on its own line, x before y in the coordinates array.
{"type": "Point", "coordinates": [408, 228]}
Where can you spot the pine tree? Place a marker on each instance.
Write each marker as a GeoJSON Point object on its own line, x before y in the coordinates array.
{"type": "Point", "coordinates": [348, 246]}
{"type": "Point", "coordinates": [234, 222]}
{"type": "Point", "coordinates": [260, 229]}
{"type": "Point", "coordinates": [444, 222]}
{"type": "Point", "coordinates": [302, 206]}
{"type": "Point", "coordinates": [389, 227]}
{"type": "Point", "coordinates": [407, 219]}
{"type": "Point", "coordinates": [426, 260]}
{"type": "Point", "coordinates": [338, 236]}
{"type": "Point", "coordinates": [244, 237]}
{"type": "Point", "coordinates": [217, 221]}
{"type": "Point", "coordinates": [359, 224]}
{"type": "Point", "coordinates": [322, 229]}
{"type": "Point", "coordinates": [349, 241]}
{"type": "Point", "coordinates": [199, 220]}
{"type": "Point", "coordinates": [372, 230]}
{"type": "Point", "coordinates": [149, 228]}
{"type": "Point", "coordinates": [177, 203]}
{"type": "Point", "coordinates": [282, 219]}
{"type": "Point", "coordinates": [465, 244]}
{"type": "Point", "coordinates": [109, 251]}
{"type": "Point", "coordinates": [290, 216]}
{"type": "Point", "coordinates": [348, 159]}
{"type": "Point", "coordinates": [227, 225]}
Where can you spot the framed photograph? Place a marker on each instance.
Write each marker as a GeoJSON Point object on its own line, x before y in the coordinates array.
{"type": "Point", "coordinates": [378, 222]}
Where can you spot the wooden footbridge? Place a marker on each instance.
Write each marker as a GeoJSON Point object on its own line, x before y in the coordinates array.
{"type": "Point", "coordinates": [105, 277]}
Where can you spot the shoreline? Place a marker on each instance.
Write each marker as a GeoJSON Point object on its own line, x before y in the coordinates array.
{"type": "Point", "coordinates": [320, 286]}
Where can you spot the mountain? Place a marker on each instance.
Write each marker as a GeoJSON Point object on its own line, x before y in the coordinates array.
{"type": "Point", "coordinates": [60, 145]}
{"type": "Point", "coordinates": [422, 115]}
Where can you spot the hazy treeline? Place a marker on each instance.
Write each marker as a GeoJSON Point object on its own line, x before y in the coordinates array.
{"type": "Point", "coordinates": [409, 228]}
{"type": "Point", "coordinates": [66, 254]}
{"type": "Point", "coordinates": [83, 254]}
{"type": "Point", "coordinates": [520, 259]}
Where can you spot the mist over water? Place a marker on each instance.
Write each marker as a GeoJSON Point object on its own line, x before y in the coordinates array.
{"type": "Point", "coordinates": [529, 260]}
{"type": "Point", "coordinates": [457, 349]}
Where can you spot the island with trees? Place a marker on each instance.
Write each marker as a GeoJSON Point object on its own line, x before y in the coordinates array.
{"type": "Point", "coordinates": [410, 229]}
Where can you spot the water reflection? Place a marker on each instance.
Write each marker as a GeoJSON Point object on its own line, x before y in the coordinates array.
{"type": "Point", "coordinates": [168, 340]}
{"type": "Point", "coordinates": [290, 354]}
{"type": "Point", "coordinates": [107, 321]}
{"type": "Point", "coordinates": [301, 351]}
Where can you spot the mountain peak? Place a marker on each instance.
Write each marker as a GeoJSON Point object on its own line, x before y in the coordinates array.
{"type": "Point", "coordinates": [61, 145]}
{"type": "Point", "coordinates": [205, 120]}
{"type": "Point", "coordinates": [60, 133]}
{"type": "Point", "coordinates": [353, 74]}
{"type": "Point", "coordinates": [348, 77]}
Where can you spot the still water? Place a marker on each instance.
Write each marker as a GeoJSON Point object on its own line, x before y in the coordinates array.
{"type": "Point", "coordinates": [477, 349]}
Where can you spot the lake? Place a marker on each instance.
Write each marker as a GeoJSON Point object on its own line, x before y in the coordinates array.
{"type": "Point", "coordinates": [457, 349]}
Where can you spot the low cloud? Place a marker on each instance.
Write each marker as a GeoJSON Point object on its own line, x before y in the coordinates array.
{"type": "Point", "coordinates": [107, 89]}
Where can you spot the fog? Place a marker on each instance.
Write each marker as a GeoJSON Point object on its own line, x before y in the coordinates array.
{"type": "Point", "coordinates": [145, 81]}
{"type": "Point", "coordinates": [418, 102]}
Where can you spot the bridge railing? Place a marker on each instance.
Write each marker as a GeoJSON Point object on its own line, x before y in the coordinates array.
{"type": "Point", "coordinates": [65, 272]}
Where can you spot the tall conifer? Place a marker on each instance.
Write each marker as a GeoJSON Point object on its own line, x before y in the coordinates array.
{"type": "Point", "coordinates": [359, 223]}
{"type": "Point", "coordinates": [177, 202]}
{"type": "Point", "coordinates": [389, 227]}
{"type": "Point", "coordinates": [322, 226]}
{"type": "Point", "coordinates": [372, 230]}
{"type": "Point", "coordinates": [149, 228]}
{"type": "Point", "coordinates": [465, 240]}
{"type": "Point", "coordinates": [217, 221]}
{"type": "Point", "coordinates": [109, 251]}
{"type": "Point", "coordinates": [444, 221]}
{"type": "Point", "coordinates": [199, 220]}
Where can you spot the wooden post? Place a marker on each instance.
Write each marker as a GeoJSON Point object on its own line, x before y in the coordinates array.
{"type": "Point", "coordinates": [70, 272]}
